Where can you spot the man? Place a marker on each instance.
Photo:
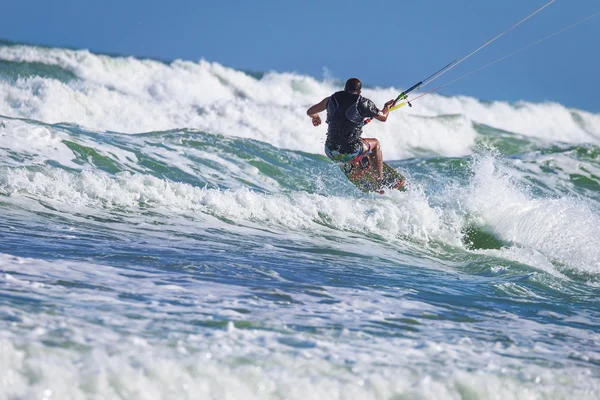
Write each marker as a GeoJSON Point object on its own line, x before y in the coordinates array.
{"type": "Point", "coordinates": [346, 112]}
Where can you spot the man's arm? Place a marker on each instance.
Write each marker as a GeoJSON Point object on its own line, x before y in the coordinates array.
{"type": "Point", "coordinates": [314, 111]}
{"type": "Point", "coordinates": [383, 114]}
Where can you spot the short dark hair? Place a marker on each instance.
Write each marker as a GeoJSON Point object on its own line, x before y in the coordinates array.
{"type": "Point", "coordinates": [353, 85]}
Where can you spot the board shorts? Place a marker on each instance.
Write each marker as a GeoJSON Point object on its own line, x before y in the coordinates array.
{"type": "Point", "coordinates": [341, 158]}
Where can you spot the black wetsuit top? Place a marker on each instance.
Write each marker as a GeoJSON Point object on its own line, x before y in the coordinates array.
{"type": "Point", "coordinates": [345, 115]}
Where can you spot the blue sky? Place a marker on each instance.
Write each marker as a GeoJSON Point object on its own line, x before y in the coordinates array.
{"type": "Point", "coordinates": [384, 43]}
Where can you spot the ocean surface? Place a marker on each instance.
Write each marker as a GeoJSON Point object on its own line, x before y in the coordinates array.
{"type": "Point", "coordinates": [172, 230]}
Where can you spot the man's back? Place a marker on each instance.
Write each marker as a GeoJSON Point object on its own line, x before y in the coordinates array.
{"type": "Point", "coordinates": [345, 115]}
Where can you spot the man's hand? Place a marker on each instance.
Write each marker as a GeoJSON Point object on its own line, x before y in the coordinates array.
{"type": "Point", "coordinates": [383, 114]}
{"type": "Point", "coordinates": [316, 120]}
{"type": "Point", "coordinates": [386, 107]}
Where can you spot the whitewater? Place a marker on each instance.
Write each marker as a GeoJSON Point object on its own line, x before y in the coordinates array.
{"type": "Point", "coordinates": [172, 230]}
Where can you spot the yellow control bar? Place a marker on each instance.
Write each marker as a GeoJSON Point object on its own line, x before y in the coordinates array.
{"type": "Point", "coordinates": [397, 106]}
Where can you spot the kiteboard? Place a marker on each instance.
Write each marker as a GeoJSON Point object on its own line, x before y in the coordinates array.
{"type": "Point", "coordinates": [364, 176]}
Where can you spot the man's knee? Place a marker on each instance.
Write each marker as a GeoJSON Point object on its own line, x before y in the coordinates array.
{"type": "Point", "coordinates": [375, 147]}
{"type": "Point", "coordinates": [374, 143]}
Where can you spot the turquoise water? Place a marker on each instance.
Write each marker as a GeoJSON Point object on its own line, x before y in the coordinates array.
{"type": "Point", "coordinates": [221, 255]}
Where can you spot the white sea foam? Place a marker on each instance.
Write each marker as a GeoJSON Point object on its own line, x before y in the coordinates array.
{"type": "Point", "coordinates": [550, 230]}
{"type": "Point", "coordinates": [558, 230]}
{"type": "Point", "coordinates": [135, 370]}
{"type": "Point", "coordinates": [407, 214]}
{"type": "Point", "coordinates": [28, 143]}
{"type": "Point", "coordinates": [113, 353]}
{"type": "Point", "coordinates": [543, 225]}
{"type": "Point", "coordinates": [132, 95]}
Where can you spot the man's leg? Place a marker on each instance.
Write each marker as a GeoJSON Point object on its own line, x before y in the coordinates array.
{"type": "Point", "coordinates": [376, 157]}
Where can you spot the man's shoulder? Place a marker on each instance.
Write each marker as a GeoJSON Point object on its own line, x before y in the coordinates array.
{"type": "Point", "coordinates": [367, 108]}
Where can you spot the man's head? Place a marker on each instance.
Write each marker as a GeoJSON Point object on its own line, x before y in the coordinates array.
{"type": "Point", "coordinates": [353, 85]}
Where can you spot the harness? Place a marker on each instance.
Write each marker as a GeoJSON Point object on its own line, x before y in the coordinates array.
{"type": "Point", "coordinates": [351, 113]}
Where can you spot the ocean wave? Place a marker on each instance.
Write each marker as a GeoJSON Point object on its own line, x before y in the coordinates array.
{"type": "Point", "coordinates": [132, 95]}
{"type": "Point", "coordinates": [246, 350]}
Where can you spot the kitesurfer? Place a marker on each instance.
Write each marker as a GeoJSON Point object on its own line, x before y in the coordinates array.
{"type": "Point", "coordinates": [346, 113]}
